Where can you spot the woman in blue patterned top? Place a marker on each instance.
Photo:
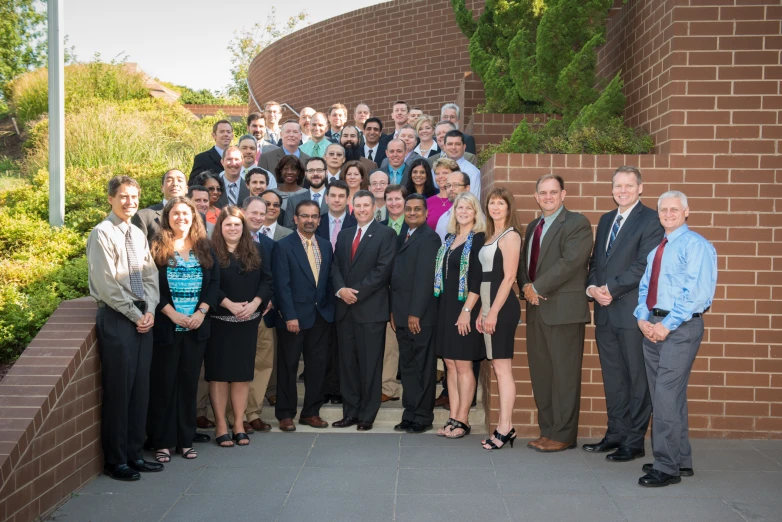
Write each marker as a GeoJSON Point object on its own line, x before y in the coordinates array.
{"type": "Point", "coordinates": [189, 284]}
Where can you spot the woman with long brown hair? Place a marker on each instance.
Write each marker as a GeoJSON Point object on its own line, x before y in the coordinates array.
{"type": "Point", "coordinates": [500, 309]}
{"type": "Point", "coordinates": [245, 290]}
{"type": "Point", "coordinates": [189, 282]}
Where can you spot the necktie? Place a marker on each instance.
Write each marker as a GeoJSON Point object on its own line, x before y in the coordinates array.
{"type": "Point", "coordinates": [134, 271]}
{"type": "Point", "coordinates": [378, 216]}
{"type": "Point", "coordinates": [651, 294]}
{"type": "Point", "coordinates": [614, 232]}
{"type": "Point", "coordinates": [337, 228]}
{"type": "Point", "coordinates": [335, 135]}
{"type": "Point", "coordinates": [232, 193]}
{"type": "Point", "coordinates": [316, 150]}
{"type": "Point", "coordinates": [265, 231]}
{"type": "Point", "coordinates": [369, 156]}
{"type": "Point", "coordinates": [533, 258]}
{"type": "Point", "coordinates": [311, 259]}
{"type": "Point", "coordinates": [356, 241]}
{"type": "Point", "coordinates": [407, 236]}
{"type": "Point", "coordinates": [316, 197]}
{"type": "Point", "coordinates": [256, 236]}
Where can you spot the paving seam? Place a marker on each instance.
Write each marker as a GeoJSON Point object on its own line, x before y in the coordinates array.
{"type": "Point", "coordinates": [290, 491]}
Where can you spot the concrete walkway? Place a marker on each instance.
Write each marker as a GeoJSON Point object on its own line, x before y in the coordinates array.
{"type": "Point", "coordinates": [362, 477]}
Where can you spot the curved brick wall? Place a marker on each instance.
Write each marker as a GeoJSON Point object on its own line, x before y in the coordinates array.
{"type": "Point", "coordinates": [409, 49]}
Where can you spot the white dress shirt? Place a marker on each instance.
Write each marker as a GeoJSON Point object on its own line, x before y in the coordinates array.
{"type": "Point", "coordinates": [270, 230]}
{"type": "Point", "coordinates": [374, 150]}
{"type": "Point", "coordinates": [442, 224]}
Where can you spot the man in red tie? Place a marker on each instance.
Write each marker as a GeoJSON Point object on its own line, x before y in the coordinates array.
{"type": "Point", "coordinates": [552, 274]}
{"type": "Point", "coordinates": [363, 259]}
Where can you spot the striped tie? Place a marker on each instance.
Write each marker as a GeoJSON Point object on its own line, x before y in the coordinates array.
{"type": "Point", "coordinates": [134, 271]}
{"type": "Point", "coordinates": [614, 232]}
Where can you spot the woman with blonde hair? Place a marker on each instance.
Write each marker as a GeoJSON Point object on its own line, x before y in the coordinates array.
{"type": "Point", "coordinates": [457, 284]}
{"type": "Point", "coordinates": [424, 129]}
{"type": "Point", "coordinates": [500, 309]}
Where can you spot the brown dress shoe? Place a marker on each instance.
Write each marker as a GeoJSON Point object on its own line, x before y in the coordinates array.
{"type": "Point", "coordinates": [259, 425]}
{"type": "Point", "coordinates": [537, 442]}
{"type": "Point", "coordinates": [272, 400]}
{"type": "Point", "coordinates": [442, 401]}
{"type": "Point", "coordinates": [553, 446]}
{"type": "Point", "coordinates": [314, 421]}
{"type": "Point", "coordinates": [386, 398]}
{"type": "Point", "coordinates": [204, 423]}
{"type": "Point", "coordinates": [247, 428]}
{"type": "Point", "coordinates": [287, 425]}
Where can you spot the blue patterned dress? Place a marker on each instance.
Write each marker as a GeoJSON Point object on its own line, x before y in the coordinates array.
{"type": "Point", "coordinates": [184, 280]}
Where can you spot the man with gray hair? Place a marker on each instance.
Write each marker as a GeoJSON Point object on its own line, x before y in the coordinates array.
{"type": "Point", "coordinates": [676, 289]}
{"type": "Point", "coordinates": [291, 138]}
{"type": "Point", "coordinates": [451, 112]}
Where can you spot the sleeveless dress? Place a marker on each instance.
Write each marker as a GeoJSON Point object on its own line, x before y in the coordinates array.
{"type": "Point", "coordinates": [500, 344]}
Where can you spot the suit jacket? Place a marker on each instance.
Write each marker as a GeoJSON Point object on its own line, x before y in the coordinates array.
{"type": "Point", "coordinates": [368, 272]}
{"type": "Point", "coordinates": [148, 220]}
{"type": "Point", "coordinates": [412, 278]}
{"type": "Point", "coordinates": [207, 160]}
{"type": "Point", "coordinates": [470, 142]}
{"type": "Point", "coordinates": [267, 252]}
{"type": "Point", "coordinates": [270, 160]}
{"type": "Point", "coordinates": [298, 295]}
{"type": "Point", "coordinates": [561, 271]}
{"type": "Point", "coordinates": [472, 158]}
{"type": "Point", "coordinates": [626, 263]}
{"type": "Point", "coordinates": [323, 226]}
{"type": "Point", "coordinates": [163, 329]}
{"type": "Point", "coordinates": [294, 200]}
{"type": "Point", "coordinates": [281, 232]}
{"type": "Point", "coordinates": [244, 192]}
{"type": "Point", "coordinates": [381, 152]}
{"type": "Point", "coordinates": [330, 136]}
{"type": "Point", "coordinates": [369, 165]}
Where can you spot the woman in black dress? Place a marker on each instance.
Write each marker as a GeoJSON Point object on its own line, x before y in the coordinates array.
{"type": "Point", "coordinates": [457, 285]}
{"type": "Point", "coordinates": [500, 309]}
{"type": "Point", "coordinates": [245, 290]}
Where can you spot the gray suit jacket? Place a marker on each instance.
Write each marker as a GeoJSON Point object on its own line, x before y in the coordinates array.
{"type": "Point", "coordinates": [281, 232]}
{"type": "Point", "coordinates": [561, 270]}
{"type": "Point", "coordinates": [290, 207]}
{"type": "Point", "coordinates": [270, 160]}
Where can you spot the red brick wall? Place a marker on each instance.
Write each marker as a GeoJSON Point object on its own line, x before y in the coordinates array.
{"type": "Point", "coordinates": [50, 416]}
{"type": "Point", "coordinates": [490, 129]}
{"type": "Point", "coordinates": [405, 49]}
{"type": "Point", "coordinates": [210, 110]}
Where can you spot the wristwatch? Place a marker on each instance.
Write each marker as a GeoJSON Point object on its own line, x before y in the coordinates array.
{"type": "Point", "coordinates": [203, 310]}
{"type": "Point", "coordinates": [466, 309]}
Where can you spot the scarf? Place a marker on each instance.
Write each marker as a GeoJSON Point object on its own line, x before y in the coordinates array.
{"type": "Point", "coordinates": [464, 266]}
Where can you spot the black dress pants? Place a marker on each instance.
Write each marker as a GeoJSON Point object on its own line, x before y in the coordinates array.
{"type": "Point", "coordinates": [171, 416]}
{"type": "Point", "coordinates": [313, 343]}
{"type": "Point", "coordinates": [418, 368]}
{"type": "Point", "coordinates": [331, 382]}
{"type": "Point", "coordinates": [125, 356]}
{"type": "Point", "coordinates": [361, 350]}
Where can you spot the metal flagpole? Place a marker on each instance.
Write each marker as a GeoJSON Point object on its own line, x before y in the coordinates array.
{"type": "Point", "coordinates": [56, 114]}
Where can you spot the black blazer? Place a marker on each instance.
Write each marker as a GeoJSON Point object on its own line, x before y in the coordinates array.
{"type": "Point", "coordinates": [412, 279]}
{"type": "Point", "coordinates": [207, 160]}
{"type": "Point", "coordinates": [381, 152]}
{"type": "Point", "coordinates": [148, 220]}
{"type": "Point", "coordinates": [164, 328]}
{"type": "Point", "coordinates": [298, 295]}
{"type": "Point", "coordinates": [623, 268]}
{"type": "Point", "coordinates": [323, 226]}
{"type": "Point", "coordinates": [267, 251]}
{"type": "Point", "coordinates": [369, 272]}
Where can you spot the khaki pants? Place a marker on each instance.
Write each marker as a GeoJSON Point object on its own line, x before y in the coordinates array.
{"type": "Point", "coordinates": [391, 364]}
{"type": "Point", "coordinates": [203, 407]}
{"type": "Point", "coordinates": [264, 362]}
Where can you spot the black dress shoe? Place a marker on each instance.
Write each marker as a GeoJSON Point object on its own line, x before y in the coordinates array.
{"type": "Point", "coordinates": [364, 426]}
{"type": "Point", "coordinates": [326, 398]}
{"type": "Point", "coordinates": [201, 437]}
{"type": "Point", "coordinates": [336, 399]}
{"type": "Point", "coordinates": [345, 423]}
{"type": "Point", "coordinates": [601, 447]}
{"type": "Point", "coordinates": [120, 472]}
{"type": "Point", "coordinates": [657, 479]}
{"type": "Point", "coordinates": [403, 426]}
{"type": "Point", "coordinates": [683, 472]}
{"type": "Point", "coordinates": [417, 427]}
{"type": "Point", "coordinates": [625, 454]}
{"type": "Point", "coordinates": [142, 465]}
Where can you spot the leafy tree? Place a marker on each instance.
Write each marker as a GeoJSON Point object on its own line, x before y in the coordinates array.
{"type": "Point", "coordinates": [22, 46]}
{"type": "Point", "coordinates": [247, 43]}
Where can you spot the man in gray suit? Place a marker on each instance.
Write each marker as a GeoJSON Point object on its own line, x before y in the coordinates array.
{"type": "Point", "coordinates": [148, 220]}
{"type": "Point", "coordinates": [271, 228]}
{"type": "Point", "coordinates": [625, 237]}
{"type": "Point", "coordinates": [315, 172]}
{"type": "Point", "coordinates": [291, 138]}
{"type": "Point", "coordinates": [552, 274]}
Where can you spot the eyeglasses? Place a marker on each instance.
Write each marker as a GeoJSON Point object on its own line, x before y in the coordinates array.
{"type": "Point", "coordinates": [315, 171]}
{"type": "Point", "coordinates": [214, 189]}
{"type": "Point", "coordinates": [378, 184]}
{"type": "Point", "coordinates": [273, 205]}
{"type": "Point", "coordinates": [454, 185]}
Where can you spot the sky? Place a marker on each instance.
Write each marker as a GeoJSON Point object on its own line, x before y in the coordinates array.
{"type": "Point", "coordinates": [181, 42]}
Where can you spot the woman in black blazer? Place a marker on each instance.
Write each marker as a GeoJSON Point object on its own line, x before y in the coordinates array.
{"type": "Point", "coordinates": [189, 285]}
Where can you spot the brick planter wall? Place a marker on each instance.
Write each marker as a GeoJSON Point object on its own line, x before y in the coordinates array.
{"type": "Point", "coordinates": [490, 129]}
{"type": "Point", "coordinates": [50, 416]}
{"type": "Point", "coordinates": [236, 111]}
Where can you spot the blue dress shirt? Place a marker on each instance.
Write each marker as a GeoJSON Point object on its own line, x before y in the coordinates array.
{"type": "Point", "coordinates": [395, 176]}
{"type": "Point", "coordinates": [688, 278]}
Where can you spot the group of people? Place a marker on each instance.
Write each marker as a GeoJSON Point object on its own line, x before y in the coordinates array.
{"type": "Point", "coordinates": [294, 243]}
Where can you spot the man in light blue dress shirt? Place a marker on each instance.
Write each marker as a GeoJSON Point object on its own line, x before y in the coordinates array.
{"type": "Point", "coordinates": [676, 289]}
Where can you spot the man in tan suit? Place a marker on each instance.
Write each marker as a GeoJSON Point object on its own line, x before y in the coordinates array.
{"type": "Point", "coordinates": [552, 274]}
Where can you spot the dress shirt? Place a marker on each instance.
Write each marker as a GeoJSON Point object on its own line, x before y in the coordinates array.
{"type": "Point", "coordinates": [410, 232]}
{"type": "Point", "coordinates": [272, 136]}
{"type": "Point", "coordinates": [374, 150]}
{"type": "Point", "coordinates": [322, 195]}
{"type": "Point", "coordinates": [475, 176]}
{"type": "Point", "coordinates": [442, 224]}
{"type": "Point", "coordinates": [315, 249]}
{"type": "Point", "coordinates": [396, 224]}
{"type": "Point", "coordinates": [272, 228]}
{"type": "Point", "coordinates": [625, 215]}
{"type": "Point", "coordinates": [305, 138]}
{"type": "Point", "coordinates": [308, 148]}
{"type": "Point", "coordinates": [363, 231]}
{"type": "Point", "coordinates": [227, 182]}
{"type": "Point", "coordinates": [296, 152]}
{"type": "Point", "coordinates": [332, 223]}
{"type": "Point", "coordinates": [109, 274]}
{"type": "Point", "coordinates": [687, 280]}
{"type": "Point", "coordinates": [331, 176]}
{"type": "Point", "coordinates": [395, 175]}
{"type": "Point", "coordinates": [219, 151]}
{"type": "Point", "coordinates": [417, 150]}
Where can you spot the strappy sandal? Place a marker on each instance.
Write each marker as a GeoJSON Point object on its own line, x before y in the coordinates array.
{"type": "Point", "coordinates": [224, 438]}
{"type": "Point", "coordinates": [505, 439]}
{"type": "Point", "coordinates": [163, 457]}
{"type": "Point", "coordinates": [238, 437]}
{"type": "Point", "coordinates": [445, 430]}
{"type": "Point", "coordinates": [189, 454]}
{"type": "Point", "coordinates": [458, 425]}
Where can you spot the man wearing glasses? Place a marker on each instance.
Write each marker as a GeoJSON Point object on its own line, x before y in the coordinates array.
{"type": "Point", "coordinates": [378, 181]}
{"type": "Point", "coordinates": [315, 172]}
{"type": "Point", "coordinates": [456, 183]}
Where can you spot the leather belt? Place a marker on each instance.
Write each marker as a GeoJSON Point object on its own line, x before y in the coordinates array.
{"type": "Point", "coordinates": [662, 313]}
{"type": "Point", "coordinates": [141, 305]}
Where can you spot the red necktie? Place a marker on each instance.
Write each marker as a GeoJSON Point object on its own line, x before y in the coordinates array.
{"type": "Point", "coordinates": [356, 241]}
{"type": "Point", "coordinates": [651, 295]}
{"type": "Point", "coordinates": [533, 257]}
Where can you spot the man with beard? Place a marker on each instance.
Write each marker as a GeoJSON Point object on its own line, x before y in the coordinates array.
{"type": "Point", "coordinates": [315, 173]}
{"type": "Point", "coordinates": [256, 125]}
{"type": "Point", "coordinates": [248, 146]}
{"type": "Point", "coordinates": [350, 142]}
{"type": "Point", "coordinates": [335, 158]}
{"type": "Point", "coordinates": [305, 116]}
{"type": "Point", "coordinates": [316, 146]}
{"type": "Point", "coordinates": [338, 115]}
{"type": "Point", "coordinates": [374, 146]}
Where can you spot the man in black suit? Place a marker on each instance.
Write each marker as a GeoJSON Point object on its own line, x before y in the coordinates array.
{"type": "Point", "coordinates": [315, 174]}
{"type": "Point", "coordinates": [374, 147]}
{"type": "Point", "coordinates": [223, 135]}
{"type": "Point", "coordinates": [148, 220]}
{"type": "Point", "coordinates": [363, 260]}
{"type": "Point", "coordinates": [414, 316]}
{"type": "Point", "coordinates": [451, 112]}
{"type": "Point", "coordinates": [235, 187]}
{"type": "Point", "coordinates": [301, 263]}
{"type": "Point", "coordinates": [625, 237]}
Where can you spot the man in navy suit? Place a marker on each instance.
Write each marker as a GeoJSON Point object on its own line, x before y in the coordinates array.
{"type": "Point", "coordinates": [374, 148]}
{"type": "Point", "coordinates": [625, 237]}
{"type": "Point", "coordinates": [302, 263]}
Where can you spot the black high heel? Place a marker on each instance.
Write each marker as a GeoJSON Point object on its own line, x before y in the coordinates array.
{"type": "Point", "coordinates": [506, 439]}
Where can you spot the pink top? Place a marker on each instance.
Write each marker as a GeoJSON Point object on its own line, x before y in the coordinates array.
{"type": "Point", "coordinates": [437, 207]}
